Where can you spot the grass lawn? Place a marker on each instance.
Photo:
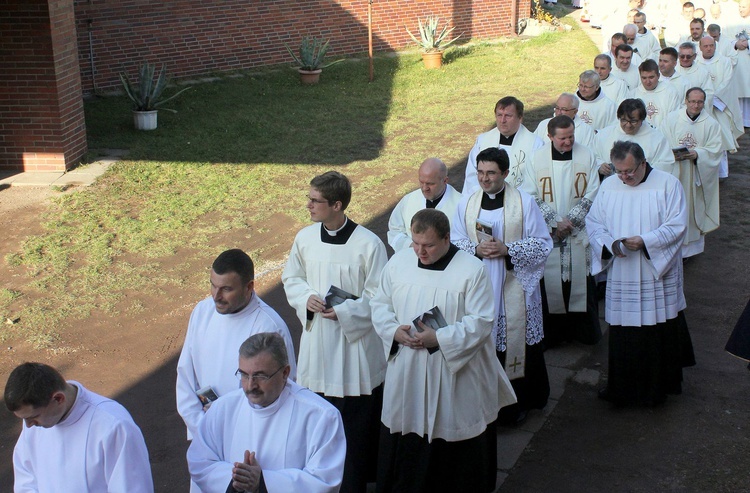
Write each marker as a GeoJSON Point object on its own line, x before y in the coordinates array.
{"type": "Point", "coordinates": [237, 157]}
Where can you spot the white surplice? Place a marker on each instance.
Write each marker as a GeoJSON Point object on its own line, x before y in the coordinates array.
{"type": "Point", "coordinates": [654, 145]}
{"type": "Point", "coordinates": [528, 257]}
{"type": "Point", "coordinates": [519, 153]}
{"type": "Point", "coordinates": [700, 179]}
{"type": "Point", "coordinates": [337, 357]}
{"type": "Point", "coordinates": [456, 391]}
{"type": "Point", "coordinates": [640, 290]}
{"type": "Point", "coordinates": [97, 448]}
{"type": "Point", "coordinates": [298, 442]}
{"type": "Point", "coordinates": [399, 224]}
{"type": "Point", "coordinates": [209, 354]}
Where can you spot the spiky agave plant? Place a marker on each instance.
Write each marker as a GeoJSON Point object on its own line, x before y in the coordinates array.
{"type": "Point", "coordinates": [147, 95]}
{"type": "Point", "coordinates": [430, 39]}
{"type": "Point", "coordinates": [312, 51]}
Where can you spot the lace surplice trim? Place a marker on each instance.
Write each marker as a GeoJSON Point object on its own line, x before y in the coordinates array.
{"type": "Point", "coordinates": [528, 257]}
{"type": "Point", "coordinates": [548, 213]}
{"type": "Point", "coordinates": [467, 246]}
{"type": "Point", "coordinates": [534, 327]}
{"type": "Point", "coordinates": [577, 214]}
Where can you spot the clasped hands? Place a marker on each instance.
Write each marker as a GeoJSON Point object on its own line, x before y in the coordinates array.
{"type": "Point", "coordinates": [246, 474]}
{"type": "Point", "coordinates": [493, 248]}
{"type": "Point", "coordinates": [634, 243]}
{"type": "Point", "coordinates": [421, 340]}
{"type": "Point", "coordinates": [316, 304]}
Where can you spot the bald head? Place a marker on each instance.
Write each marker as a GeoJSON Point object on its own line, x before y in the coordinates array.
{"type": "Point", "coordinates": [433, 178]}
{"type": "Point", "coordinates": [708, 47]}
{"type": "Point", "coordinates": [744, 8]}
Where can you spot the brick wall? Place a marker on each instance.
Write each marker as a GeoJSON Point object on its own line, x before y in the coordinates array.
{"type": "Point", "coordinates": [197, 37]}
{"type": "Point", "coordinates": [41, 112]}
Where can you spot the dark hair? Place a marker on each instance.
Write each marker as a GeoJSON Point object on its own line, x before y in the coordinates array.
{"type": "Point", "coordinates": [334, 187]}
{"type": "Point", "coordinates": [649, 65]}
{"type": "Point", "coordinates": [669, 51]}
{"type": "Point", "coordinates": [32, 384]}
{"type": "Point", "coordinates": [688, 4]}
{"type": "Point", "coordinates": [497, 156]}
{"type": "Point", "coordinates": [265, 342]}
{"type": "Point", "coordinates": [425, 219]}
{"type": "Point", "coordinates": [604, 56]}
{"type": "Point", "coordinates": [621, 149]}
{"type": "Point", "coordinates": [698, 20]}
{"type": "Point", "coordinates": [511, 101]}
{"type": "Point", "coordinates": [623, 47]}
{"type": "Point", "coordinates": [561, 121]}
{"type": "Point", "coordinates": [620, 37]}
{"type": "Point", "coordinates": [714, 28]}
{"type": "Point", "coordinates": [687, 93]}
{"type": "Point", "coordinates": [630, 105]}
{"type": "Point", "coordinates": [235, 260]}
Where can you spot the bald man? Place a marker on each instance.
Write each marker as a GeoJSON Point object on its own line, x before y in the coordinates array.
{"type": "Point", "coordinates": [434, 193]}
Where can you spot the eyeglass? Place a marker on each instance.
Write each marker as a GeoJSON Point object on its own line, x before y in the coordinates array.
{"type": "Point", "coordinates": [316, 201]}
{"type": "Point", "coordinates": [582, 86]}
{"type": "Point", "coordinates": [257, 377]}
{"type": "Point", "coordinates": [686, 57]}
{"type": "Point", "coordinates": [558, 108]}
{"type": "Point", "coordinates": [629, 173]}
{"type": "Point", "coordinates": [629, 122]}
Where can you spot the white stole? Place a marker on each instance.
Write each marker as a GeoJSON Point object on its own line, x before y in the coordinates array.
{"type": "Point", "coordinates": [514, 298]}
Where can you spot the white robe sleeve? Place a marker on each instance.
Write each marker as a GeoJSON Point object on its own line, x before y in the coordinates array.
{"type": "Point", "coordinates": [354, 315]}
{"type": "Point", "coordinates": [460, 342]}
{"type": "Point", "coordinates": [23, 470]}
{"type": "Point", "coordinates": [398, 232]}
{"type": "Point", "coordinates": [125, 460]}
{"type": "Point", "coordinates": [298, 291]}
{"type": "Point", "coordinates": [664, 243]}
{"type": "Point", "coordinates": [383, 314]}
{"type": "Point", "coordinates": [188, 405]}
{"type": "Point", "coordinates": [205, 456]}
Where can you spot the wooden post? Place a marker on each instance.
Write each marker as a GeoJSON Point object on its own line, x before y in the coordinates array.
{"type": "Point", "coordinates": [369, 33]}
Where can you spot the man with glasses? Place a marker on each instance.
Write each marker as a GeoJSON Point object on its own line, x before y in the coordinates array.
{"type": "Point", "coordinates": [636, 228]}
{"type": "Point", "coordinates": [271, 434]}
{"type": "Point", "coordinates": [340, 355]}
{"type": "Point", "coordinates": [509, 134]}
{"type": "Point", "coordinates": [631, 127]}
{"type": "Point", "coordinates": [696, 75]}
{"type": "Point", "coordinates": [567, 105]}
{"type": "Point", "coordinates": [73, 439]}
{"type": "Point", "coordinates": [612, 87]}
{"type": "Point", "coordinates": [693, 129]}
{"type": "Point", "coordinates": [668, 73]}
{"type": "Point", "coordinates": [594, 107]}
{"type": "Point", "coordinates": [217, 327]}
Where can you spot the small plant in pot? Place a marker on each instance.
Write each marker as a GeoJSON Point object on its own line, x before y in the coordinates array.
{"type": "Point", "coordinates": [147, 95]}
{"type": "Point", "coordinates": [433, 40]}
{"type": "Point", "coordinates": [312, 51]}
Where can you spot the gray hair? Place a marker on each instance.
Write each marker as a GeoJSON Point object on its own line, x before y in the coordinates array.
{"type": "Point", "coordinates": [265, 342]}
{"type": "Point", "coordinates": [590, 76]}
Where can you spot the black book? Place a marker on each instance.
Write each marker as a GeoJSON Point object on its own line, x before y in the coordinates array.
{"type": "Point", "coordinates": [336, 296]}
{"type": "Point", "coordinates": [432, 318]}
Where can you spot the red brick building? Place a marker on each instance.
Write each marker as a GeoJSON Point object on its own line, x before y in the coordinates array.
{"type": "Point", "coordinates": [54, 51]}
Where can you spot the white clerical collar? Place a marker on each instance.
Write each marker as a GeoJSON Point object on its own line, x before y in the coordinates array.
{"type": "Point", "coordinates": [334, 232]}
{"type": "Point", "coordinates": [271, 409]}
{"type": "Point", "coordinates": [77, 409]}
{"type": "Point", "coordinates": [493, 196]}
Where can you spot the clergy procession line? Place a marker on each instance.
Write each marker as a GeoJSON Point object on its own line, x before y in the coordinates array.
{"type": "Point", "coordinates": [407, 365]}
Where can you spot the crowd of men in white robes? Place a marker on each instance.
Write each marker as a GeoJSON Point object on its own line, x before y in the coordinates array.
{"type": "Point", "coordinates": [406, 365]}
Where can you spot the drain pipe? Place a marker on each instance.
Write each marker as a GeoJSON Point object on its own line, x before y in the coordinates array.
{"type": "Point", "coordinates": [514, 15]}
{"type": "Point", "coordinates": [91, 55]}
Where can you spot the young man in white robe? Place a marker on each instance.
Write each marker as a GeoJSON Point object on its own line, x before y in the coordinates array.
{"type": "Point", "coordinates": [668, 73]}
{"type": "Point", "coordinates": [73, 439]}
{"type": "Point", "coordinates": [340, 354]}
{"type": "Point", "coordinates": [514, 257]}
{"type": "Point", "coordinates": [612, 87]}
{"type": "Point", "coordinates": [443, 386]}
{"type": "Point", "coordinates": [616, 40]}
{"type": "Point", "coordinates": [509, 134]}
{"type": "Point", "coordinates": [594, 108]}
{"type": "Point", "coordinates": [632, 128]}
{"type": "Point", "coordinates": [693, 128]}
{"type": "Point", "coordinates": [567, 104]}
{"type": "Point", "coordinates": [636, 228]}
{"type": "Point", "coordinates": [563, 179]}
{"type": "Point", "coordinates": [660, 99]}
{"type": "Point", "coordinates": [271, 434]}
{"type": "Point", "coordinates": [217, 327]}
{"type": "Point", "coordinates": [434, 193]}
{"type": "Point", "coordinates": [624, 68]}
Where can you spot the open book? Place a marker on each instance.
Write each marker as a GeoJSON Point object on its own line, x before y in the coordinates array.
{"type": "Point", "coordinates": [336, 296]}
{"type": "Point", "coordinates": [206, 395]}
{"type": "Point", "coordinates": [484, 231]}
{"type": "Point", "coordinates": [432, 318]}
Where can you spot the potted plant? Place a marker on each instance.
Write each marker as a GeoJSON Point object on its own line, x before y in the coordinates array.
{"type": "Point", "coordinates": [147, 96]}
{"type": "Point", "coordinates": [312, 51]}
{"type": "Point", "coordinates": [433, 41]}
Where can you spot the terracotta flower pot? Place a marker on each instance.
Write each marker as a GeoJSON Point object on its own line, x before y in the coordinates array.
{"type": "Point", "coordinates": [309, 76]}
{"type": "Point", "coordinates": [433, 59]}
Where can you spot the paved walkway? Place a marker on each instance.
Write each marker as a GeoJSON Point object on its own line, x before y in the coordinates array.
{"type": "Point", "coordinates": [82, 175]}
